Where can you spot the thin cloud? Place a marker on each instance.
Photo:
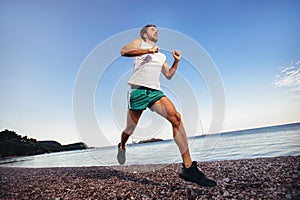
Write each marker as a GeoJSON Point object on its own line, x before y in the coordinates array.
{"type": "Point", "coordinates": [289, 77]}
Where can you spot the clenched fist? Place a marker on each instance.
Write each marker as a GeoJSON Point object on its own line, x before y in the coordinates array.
{"type": "Point", "coordinates": [176, 54]}
{"type": "Point", "coordinates": [154, 49]}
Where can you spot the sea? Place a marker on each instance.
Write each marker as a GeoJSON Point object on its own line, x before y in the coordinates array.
{"type": "Point", "coordinates": [273, 141]}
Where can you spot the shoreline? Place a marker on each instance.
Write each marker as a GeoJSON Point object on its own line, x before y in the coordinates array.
{"type": "Point", "coordinates": [258, 178]}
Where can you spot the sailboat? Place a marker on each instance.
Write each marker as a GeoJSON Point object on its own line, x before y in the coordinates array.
{"type": "Point", "coordinates": [202, 132]}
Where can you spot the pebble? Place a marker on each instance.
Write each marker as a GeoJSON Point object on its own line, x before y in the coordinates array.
{"type": "Point", "coordinates": [226, 179]}
{"type": "Point", "coordinates": [226, 194]}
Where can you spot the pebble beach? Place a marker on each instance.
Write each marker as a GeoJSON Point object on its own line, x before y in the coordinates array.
{"type": "Point", "coordinates": [259, 178]}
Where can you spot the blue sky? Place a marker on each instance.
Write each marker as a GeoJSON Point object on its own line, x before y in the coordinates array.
{"type": "Point", "coordinates": [254, 44]}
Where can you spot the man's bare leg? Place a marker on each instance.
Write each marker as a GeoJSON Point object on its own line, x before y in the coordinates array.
{"type": "Point", "coordinates": [165, 108]}
{"type": "Point", "coordinates": [133, 117]}
{"type": "Point", "coordinates": [132, 120]}
{"type": "Point", "coordinates": [190, 171]}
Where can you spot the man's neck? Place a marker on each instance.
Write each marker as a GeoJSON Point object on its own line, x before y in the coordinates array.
{"type": "Point", "coordinates": [150, 42]}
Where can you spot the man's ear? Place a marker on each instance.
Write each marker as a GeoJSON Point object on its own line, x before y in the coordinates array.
{"type": "Point", "coordinates": [145, 35]}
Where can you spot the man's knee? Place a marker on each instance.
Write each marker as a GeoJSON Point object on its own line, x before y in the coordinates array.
{"type": "Point", "coordinates": [176, 119]}
{"type": "Point", "coordinates": [130, 129]}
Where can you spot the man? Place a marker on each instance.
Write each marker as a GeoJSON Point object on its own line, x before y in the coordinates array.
{"type": "Point", "coordinates": [146, 92]}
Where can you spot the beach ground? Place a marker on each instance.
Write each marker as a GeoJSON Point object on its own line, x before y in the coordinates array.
{"type": "Point", "coordinates": [259, 178]}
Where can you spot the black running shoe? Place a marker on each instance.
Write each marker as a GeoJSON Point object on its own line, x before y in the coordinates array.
{"type": "Point", "coordinates": [193, 174]}
{"type": "Point", "coordinates": [121, 155]}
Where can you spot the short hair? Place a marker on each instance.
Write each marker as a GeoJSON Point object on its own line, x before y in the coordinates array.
{"type": "Point", "coordinates": [144, 30]}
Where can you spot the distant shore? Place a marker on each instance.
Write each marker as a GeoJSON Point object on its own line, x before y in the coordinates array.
{"type": "Point", "coordinates": [260, 178]}
{"type": "Point", "coordinates": [148, 141]}
{"type": "Point", "coordinates": [13, 144]}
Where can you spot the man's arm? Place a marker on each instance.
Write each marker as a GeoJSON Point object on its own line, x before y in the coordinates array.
{"type": "Point", "coordinates": [133, 49]}
{"type": "Point", "coordinates": [166, 70]}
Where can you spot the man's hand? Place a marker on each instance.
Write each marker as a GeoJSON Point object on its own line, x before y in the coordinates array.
{"type": "Point", "coordinates": [176, 54]}
{"type": "Point", "coordinates": [133, 49]}
{"type": "Point", "coordinates": [154, 49]}
{"type": "Point", "coordinates": [169, 72]}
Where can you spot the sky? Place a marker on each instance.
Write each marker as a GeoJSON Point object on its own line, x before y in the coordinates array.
{"type": "Point", "coordinates": [254, 46]}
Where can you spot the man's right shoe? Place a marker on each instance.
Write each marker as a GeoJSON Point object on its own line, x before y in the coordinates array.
{"type": "Point", "coordinates": [121, 155]}
{"type": "Point", "coordinates": [193, 174]}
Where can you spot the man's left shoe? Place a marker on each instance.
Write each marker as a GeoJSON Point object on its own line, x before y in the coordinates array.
{"type": "Point", "coordinates": [121, 155]}
{"type": "Point", "coordinates": [193, 174]}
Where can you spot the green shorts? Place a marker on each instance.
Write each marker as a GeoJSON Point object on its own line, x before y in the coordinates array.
{"type": "Point", "coordinates": [141, 98]}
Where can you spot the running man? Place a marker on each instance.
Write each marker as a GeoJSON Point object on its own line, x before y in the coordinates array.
{"type": "Point", "coordinates": [146, 92]}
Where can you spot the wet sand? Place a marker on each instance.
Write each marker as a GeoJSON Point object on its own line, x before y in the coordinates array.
{"type": "Point", "coordinates": [260, 178]}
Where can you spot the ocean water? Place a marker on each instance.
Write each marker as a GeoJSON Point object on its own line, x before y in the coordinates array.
{"type": "Point", "coordinates": [283, 140]}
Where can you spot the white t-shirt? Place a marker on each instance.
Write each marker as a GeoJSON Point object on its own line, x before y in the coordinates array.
{"type": "Point", "coordinates": [147, 69]}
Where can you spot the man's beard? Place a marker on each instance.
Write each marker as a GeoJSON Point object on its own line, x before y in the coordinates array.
{"type": "Point", "coordinates": [152, 39]}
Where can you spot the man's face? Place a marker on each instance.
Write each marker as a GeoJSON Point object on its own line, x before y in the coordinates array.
{"type": "Point", "coordinates": [152, 34]}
